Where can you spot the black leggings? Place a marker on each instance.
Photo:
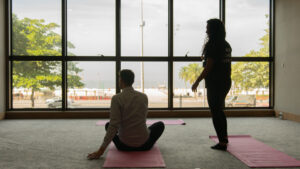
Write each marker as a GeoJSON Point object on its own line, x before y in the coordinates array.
{"type": "Point", "coordinates": [216, 95]}
{"type": "Point", "coordinates": [156, 131]}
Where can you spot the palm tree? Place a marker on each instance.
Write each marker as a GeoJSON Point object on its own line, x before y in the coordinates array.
{"type": "Point", "coordinates": [183, 74]}
{"type": "Point", "coordinates": [190, 73]}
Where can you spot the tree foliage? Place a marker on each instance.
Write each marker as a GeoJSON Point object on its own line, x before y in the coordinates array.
{"type": "Point", "coordinates": [190, 73]}
{"type": "Point", "coordinates": [245, 75]}
{"type": "Point", "coordinates": [33, 37]}
{"type": "Point", "coordinates": [250, 75]}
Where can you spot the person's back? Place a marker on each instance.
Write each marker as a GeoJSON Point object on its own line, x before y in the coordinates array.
{"type": "Point", "coordinates": [127, 126]}
{"type": "Point", "coordinates": [221, 70]}
{"type": "Point", "coordinates": [133, 130]}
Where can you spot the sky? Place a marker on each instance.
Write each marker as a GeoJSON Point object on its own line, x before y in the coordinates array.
{"type": "Point", "coordinates": [91, 28]}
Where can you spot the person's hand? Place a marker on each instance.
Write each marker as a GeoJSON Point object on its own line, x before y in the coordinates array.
{"type": "Point", "coordinates": [194, 87]}
{"type": "Point", "coordinates": [95, 155]}
{"type": "Point", "coordinates": [202, 57]}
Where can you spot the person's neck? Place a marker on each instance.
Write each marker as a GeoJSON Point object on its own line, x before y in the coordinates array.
{"type": "Point", "coordinates": [126, 88]}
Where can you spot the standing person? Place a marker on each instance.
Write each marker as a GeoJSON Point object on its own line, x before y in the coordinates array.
{"type": "Point", "coordinates": [217, 72]}
{"type": "Point", "coordinates": [127, 127]}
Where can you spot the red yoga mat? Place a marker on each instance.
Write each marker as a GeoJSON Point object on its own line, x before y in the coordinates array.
{"type": "Point", "coordinates": [257, 154]}
{"type": "Point", "coordinates": [149, 122]}
{"type": "Point", "coordinates": [133, 159]}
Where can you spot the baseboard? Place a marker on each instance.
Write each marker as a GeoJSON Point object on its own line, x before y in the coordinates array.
{"type": "Point", "coordinates": [2, 115]}
{"type": "Point", "coordinates": [287, 116]}
{"type": "Point", "coordinates": [152, 113]}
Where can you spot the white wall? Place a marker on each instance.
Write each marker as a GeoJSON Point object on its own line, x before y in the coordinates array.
{"type": "Point", "coordinates": [2, 59]}
{"type": "Point", "coordinates": [287, 53]}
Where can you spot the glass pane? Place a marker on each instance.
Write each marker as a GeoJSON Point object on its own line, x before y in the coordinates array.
{"type": "Point", "coordinates": [91, 84]}
{"type": "Point", "coordinates": [250, 85]}
{"type": "Point", "coordinates": [37, 84]}
{"type": "Point", "coordinates": [247, 24]}
{"type": "Point", "coordinates": [91, 27]}
{"type": "Point", "coordinates": [190, 18]}
{"type": "Point", "coordinates": [144, 28]}
{"type": "Point", "coordinates": [36, 27]}
{"type": "Point", "coordinates": [155, 80]}
{"type": "Point", "coordinates": [185, 74]}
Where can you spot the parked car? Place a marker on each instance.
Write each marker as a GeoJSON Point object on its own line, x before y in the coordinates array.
{"type": "Point", "coordinates": [56, 102]}
{"type": "Point", "coordinates": [241, 101]}
{"type": "Point", "coordinates": [262, 103]}
{"type": "Point", "coordinates": [52, 100]}
{"type": "Point", "coordinates": [229, 100]}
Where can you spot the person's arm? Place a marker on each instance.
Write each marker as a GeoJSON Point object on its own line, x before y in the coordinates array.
{"type": "Point", "coordinates": [207, 69]}
{"type": "Point", "coordinates": [114, 124]}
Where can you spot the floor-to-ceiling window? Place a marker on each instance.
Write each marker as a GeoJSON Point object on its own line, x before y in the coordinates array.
{"type": "Point", "coordinates": [248, 31]}
{"type": "Point", "coordinates": [66, 54]}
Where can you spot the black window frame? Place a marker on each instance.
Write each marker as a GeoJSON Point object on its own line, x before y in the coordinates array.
{"type": "Point", "coordinates": [118, 58]}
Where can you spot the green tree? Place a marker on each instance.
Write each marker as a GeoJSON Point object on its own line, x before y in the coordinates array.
{"type": "Point", "coordinates": [33, 37]}
{"type": "Point", "coordinates": [183, 74]}
{"type": "Point", "coordinates": [190, 73]}
{"type": "Point", "coordinates": [250, 75]}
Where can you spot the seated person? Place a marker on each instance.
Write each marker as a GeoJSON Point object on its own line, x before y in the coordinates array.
{"type": "Point", "coordinates": [127, 127]}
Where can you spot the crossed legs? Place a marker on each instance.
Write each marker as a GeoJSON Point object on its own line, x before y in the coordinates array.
{"type": "Point", "coordinates": [156, 131]}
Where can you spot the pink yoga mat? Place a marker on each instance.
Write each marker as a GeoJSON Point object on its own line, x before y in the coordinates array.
{"type": "Point", "coordinates": [257, 154]}
{"type": "Point", "coordinates": [149, 122]}
{"type": "Point", "coordinates": [135, 159]}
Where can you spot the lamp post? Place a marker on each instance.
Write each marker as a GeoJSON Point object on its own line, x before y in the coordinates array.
{"type": "Point", "coordinates": [142, 51]}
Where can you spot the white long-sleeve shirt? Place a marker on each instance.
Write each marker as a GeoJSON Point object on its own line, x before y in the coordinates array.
{"type": "Point", "coordinates": [128, 115]}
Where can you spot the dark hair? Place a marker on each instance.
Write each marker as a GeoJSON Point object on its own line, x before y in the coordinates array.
{"type": "Point", "coordinates": [216, 29]}
{"type": "Point", "coordinates": [215, 35]}
{"type": "Point", "coordinates": [127, 76]}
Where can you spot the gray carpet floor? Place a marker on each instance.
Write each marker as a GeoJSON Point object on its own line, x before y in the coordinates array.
{"type": "Point", "coordinates": [64, 144]}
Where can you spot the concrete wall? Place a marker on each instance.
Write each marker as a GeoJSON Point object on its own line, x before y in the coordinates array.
{"type": "Point", "coordinates": [2, 59]}
{"type": "Point", "coordinates": [287, 53]}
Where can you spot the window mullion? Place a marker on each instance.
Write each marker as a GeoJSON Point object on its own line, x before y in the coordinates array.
{"type": "Point", "coordinates": [64, 55]}
{"type": "Point", "coordinates": [170, 53]}
{"type": "Point", "coordinates": [118, 43]}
